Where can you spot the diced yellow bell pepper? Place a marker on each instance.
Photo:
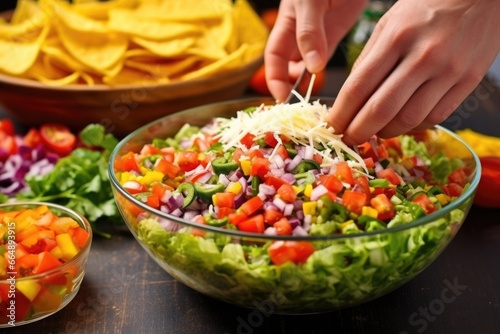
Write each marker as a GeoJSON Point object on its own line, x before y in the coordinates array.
{"type": "Point", "coordinates": [369, 211]}
{"type": "Point", "coordinates": [443, 199]}
{"type": "Point", "coordinates": [246, 166]}
{"type": "Point", "coordinates": [29, 288]}
{"type": "Point", "coordinates": [308, 190]}
{"type": "Point", "coordinates": [309, 208]}
{"type": "Point", "coordinates": [57, 252]}
{"type": "Point", "coordinates": [234, 187]}
{"type": "Point", "coordinates": [150, 177]}
{"type": "Point", "coordinates": [68, 248]}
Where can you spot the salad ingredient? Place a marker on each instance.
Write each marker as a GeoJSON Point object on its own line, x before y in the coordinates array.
{"type": "Point", "coordinates": [80, 180]}
{"type": "Point", "coordinates": [246, 179]}
{"type": "Point", "coordinates": [58, 138]}
{"type": "Point", "coordinates": [43, 241]}
{"type": "Point", "coordinates": [488, 190]}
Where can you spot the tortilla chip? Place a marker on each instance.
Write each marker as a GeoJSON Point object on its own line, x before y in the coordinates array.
{"type": "Point", "coordinates": [125, 21]}
{"type": "Point", "coordinates": [184, 10]}
{"type": "Point", "coordinates": [168, 49]}
{"type": "Point", "coordinates": [17, 57]}
{"type": "Point", "coordinates": [99, 10]}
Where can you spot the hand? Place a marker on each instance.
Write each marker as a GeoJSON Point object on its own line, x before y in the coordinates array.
{"type": "Point", "coordinates": [309, 30]}
{"type": "Point", "coordinates": [421, 62]}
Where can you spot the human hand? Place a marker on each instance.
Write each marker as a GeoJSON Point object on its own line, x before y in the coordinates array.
{"type": "Point", "coordinates": [421, 62]}
{"type": "Point", "coordinates": [308, 30]}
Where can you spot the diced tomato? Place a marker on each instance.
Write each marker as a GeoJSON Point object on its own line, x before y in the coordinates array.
{"type": "Point", "coordinates": [425, 203]}
{"type": "Point", "coordinates": [237, 217]}
{"type": "Point", "coordinates": [46, 262]}
{"type": "Point", "coordinates": [149, 149]}
{"type": "Point", "coordinates": [458, 176]}
{"type": "Point", "coordinates": [287, 193]}
{"type": "Point", "coordinates": [187, 160]}
{"type": "Point", "coordinates": [271, 216]}
{"type": "Point", "coordinates": [128, 163]}
{"type": "Point", "coordinates": [237, 154]}
{"type": "Point", "coordinates": [331, 182]}
{"type": "Point", "coordinates": [247, 140]}
{"type": "Point", "coordinates": [390, 175]}
{"type": "Point", "coordinates": [274, 181]}
{"type": "Point", "coordinates": [168, 153]}
{"type": "Point", "coordinates": [80, 236]}
{"type": "Point", "coordinates": [363, 185]}
{"type": "Point", "coordinates": [318, 158]}
{"type": "Point", "coordinates": [153, 201]}
{"type": "Point", "coordinates": [369, 163]}
{"type": "Point", "coordinates": [224, 212]}
{"type": "Point", "coordinates": [252, 205]}
{"type": "Point", "coordinates": [255, 154]}
{"type": "Point", "coordinates": [452, 189]}
{"type": "Point", "coordinates": [354, 201]}
{"type": "Point", "coordinates": [159, 189]}
{"type": "Point", "coordinates": [282, 152]}
{"type": "Point", "coordinates": [260, 167]}
{"type": "Point", "coordinates": [58, 138]}
{"type": "Point", "coordinates": [270, 140]}
{"type": "Point", "coordinates": [167, 168]}
{"type": "Point", "coordinates": [283, 227]}
{"type": "Point", "coordinates": [344, 173]}
{"type": "Point", "coordinates": [366, 151]}
{"type": "Point", "coordinates": [254, 224]}
{"type": "Point", "coordinates": [25, 264]}
{"type": "Point", "coordinates": [392, 144]}
{"type": "Point", "coordinates": [384, 207]}
{"type": "Point", "coordinates": [200, 144]}
{"type": "Point", "coordinates": [290, 251]}
{"type": "Point", "coordinates": [224, 200]}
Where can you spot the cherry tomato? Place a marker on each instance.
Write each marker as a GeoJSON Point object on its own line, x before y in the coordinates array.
{"type": "Point", "coordinates": [294, 251]}
{"type": "Point", "coordinates": [32, 138]}
{"type": "Point", "coordinates": [7, 126]}
{"type": "Point", "coordinates": [8, 145]}
{"type": "Point", "coordinates": [58, 138]}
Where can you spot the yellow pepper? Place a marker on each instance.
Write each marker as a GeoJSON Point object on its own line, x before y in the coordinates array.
{"type": "Point", "coordinates": [67, 246]}
{"type": "Point", "coordinates": [29, 288]}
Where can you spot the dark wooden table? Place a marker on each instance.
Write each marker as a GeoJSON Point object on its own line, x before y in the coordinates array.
{"type": "Point", "coordinates": [124, 291]}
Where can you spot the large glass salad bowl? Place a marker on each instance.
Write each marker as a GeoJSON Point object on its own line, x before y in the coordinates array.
{"type": "Point", "coordinates": [323, 251]}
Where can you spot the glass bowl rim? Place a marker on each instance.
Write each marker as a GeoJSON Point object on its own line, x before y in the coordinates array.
{"type": "Point", "coordinates": [467, 194]}
{"type": "Point", "coordinates": [82, 253]}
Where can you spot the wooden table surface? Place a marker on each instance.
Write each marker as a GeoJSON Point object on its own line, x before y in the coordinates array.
{"type": "Point", "coordinates": [125, 291]}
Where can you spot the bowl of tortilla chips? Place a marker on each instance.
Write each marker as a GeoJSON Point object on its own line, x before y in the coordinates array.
{"type": "Point", "coordinates": [124, 63]}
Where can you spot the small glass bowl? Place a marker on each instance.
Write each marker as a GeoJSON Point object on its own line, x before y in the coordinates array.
{"type": "Point", "coordinates": [56, 287]}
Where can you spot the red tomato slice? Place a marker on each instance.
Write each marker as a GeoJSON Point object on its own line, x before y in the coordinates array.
{"type": "Point", "coordinates": [58, 138]}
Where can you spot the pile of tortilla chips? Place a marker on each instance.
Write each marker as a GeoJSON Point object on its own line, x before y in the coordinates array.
{"type": "Point", "coordinates": [122, 42]}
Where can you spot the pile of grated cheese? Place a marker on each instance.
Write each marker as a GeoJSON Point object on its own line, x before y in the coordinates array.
{"type": "Point", "coordinates": [303, 122]}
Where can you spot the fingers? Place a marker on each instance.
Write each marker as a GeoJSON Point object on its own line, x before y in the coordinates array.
{"type": "Point", "coordinates": [311, 37]}
{"type": "Point", "coordinates": [364, 80]}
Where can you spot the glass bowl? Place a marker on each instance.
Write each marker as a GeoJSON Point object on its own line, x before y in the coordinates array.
{"type": "Point", "coordinates": [345, 269]}
{"type": "Point", "coordinates": [47, 292]}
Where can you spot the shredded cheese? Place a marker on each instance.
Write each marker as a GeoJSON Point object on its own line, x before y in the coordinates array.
{"type": "Point", "coordinates": [303, 122]}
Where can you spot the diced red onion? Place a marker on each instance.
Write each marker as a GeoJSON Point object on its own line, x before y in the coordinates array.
{"type": "Point", "coordinates": [309, 153]}
{"type": "Point", "coordinates": [224, 180]}
{"type": "Point", "coordinates": [177, 212]}
{"type": "Point", "coordinates": [288, 210]}
{"type": "Point", "coordinates": [299, 231]}
{"type": "Point", "coordinates": [378, 167]}
{"type": "Point", "coordinates": [294, 222]}
{"type": "Point", "coordinates": [204, 178]}
{"type": "Point", "coordinates": [288, 177]}
{"type": "Point", "coordinates": [293, 163]}
{"type": "Point", "coordinates": [278, 172]}
{"type": "Point", "coordinates": [278, 161]}
{"type": "Point", "coordinates": [270, 231]}
{"type": "Point", "coordinates": [279, 203]}
{"type": "Point", "coordinates": [189, 215]}
{"type": "Point", "coordinates": [266, 189]}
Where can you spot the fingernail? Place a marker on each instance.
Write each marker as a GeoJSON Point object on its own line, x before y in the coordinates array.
{"type": "Point", "coordinates": [313, 61]}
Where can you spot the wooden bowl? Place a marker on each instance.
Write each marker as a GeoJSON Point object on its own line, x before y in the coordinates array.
{"type": "Point", "coordinates": [121, 109]}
